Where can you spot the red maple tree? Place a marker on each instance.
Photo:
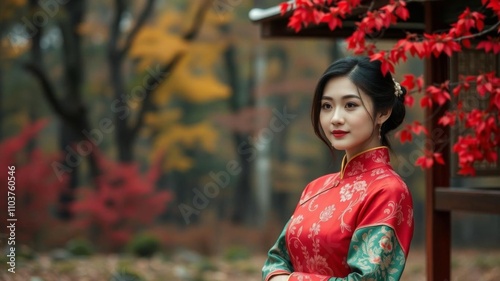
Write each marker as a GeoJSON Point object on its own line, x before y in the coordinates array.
{"type": "Point", "coordinates": [479, 143]}
{"type": "Point", "coordinates": [33, 185]}
{"type": "Point", "coordinates": [122, 203]}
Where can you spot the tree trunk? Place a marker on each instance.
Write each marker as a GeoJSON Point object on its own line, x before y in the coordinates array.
{"type": "Point", "coordinates": [243, 205]}
{"type": "Point", "coordinates": [71, 130]}
{"type": "Point", "coordinates": [125, 132]}
{"type": "Point", "coordinates": [124, 139]}
{"type": "Point", "coordinates": [280, 197]}
{"type": "Point", "coordinates": [71, 108]}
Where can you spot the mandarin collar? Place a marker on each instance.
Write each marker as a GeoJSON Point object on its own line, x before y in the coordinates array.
{"type": "Point", "coordinates": [367, 160]}
{"type": "Point", "coordinates": [364, 161]}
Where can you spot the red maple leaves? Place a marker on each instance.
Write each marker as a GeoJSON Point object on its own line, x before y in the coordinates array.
{"type": "Point", "coordinates": [35, 186]}
{"type": "Point", "coordinates": [481, 137]}
{"type": "Point", "coordinates": [122, 202]}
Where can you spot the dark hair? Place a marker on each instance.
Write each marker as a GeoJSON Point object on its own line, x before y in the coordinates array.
{"type": "Point", "coordinates": [367, 76]}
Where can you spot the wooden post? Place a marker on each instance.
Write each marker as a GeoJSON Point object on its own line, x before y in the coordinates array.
{"type": "Point", "coordinates": [438, 223]}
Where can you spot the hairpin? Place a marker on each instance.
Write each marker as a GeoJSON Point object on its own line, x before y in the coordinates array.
{"type": "Point", "coordinates": [397, 88]}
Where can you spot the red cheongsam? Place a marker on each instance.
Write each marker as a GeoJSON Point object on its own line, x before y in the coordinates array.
{"type": "Point", "coordinates": [353, 225]}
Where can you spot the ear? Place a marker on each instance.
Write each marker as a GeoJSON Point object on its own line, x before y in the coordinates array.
{"type": "Point", "coordinates": [383, 115]}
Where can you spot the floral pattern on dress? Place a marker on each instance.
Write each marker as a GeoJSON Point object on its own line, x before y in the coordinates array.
{"type": "Point", "coordinates": [327, 213]}
{"type": "Point", "coordinates": [375, 252]}
{"type": "Point", "coordinates": [394, 210]}
{"type": "Point", "coordinates": [312, 261]}
{"type": "Point", "coordinates": [356, 168]}
{"type": "Point", "coordinates": [346, 194]}
{"type": "Point", "coordinates": [410, 216]}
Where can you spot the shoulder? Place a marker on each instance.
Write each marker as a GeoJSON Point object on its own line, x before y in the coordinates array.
{"type": "Point", "coordinates": [386, 180]}
{"type": "Point", "coordinates": [388, 201]}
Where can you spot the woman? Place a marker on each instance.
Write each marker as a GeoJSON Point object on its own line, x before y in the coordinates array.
{"type": "Point", "coordinates": [356, 224]}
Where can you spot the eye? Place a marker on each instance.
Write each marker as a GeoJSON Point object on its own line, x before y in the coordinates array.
{"type": "Point", "coordinates": [326, 106]}
{"type": "Point", "coordinates": [350, 105]}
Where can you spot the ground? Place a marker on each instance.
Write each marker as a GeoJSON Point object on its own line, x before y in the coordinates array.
{"type": "Point", "coordinates": [477, 265]}
{"type": "Point", "coordinates": [213, 251]}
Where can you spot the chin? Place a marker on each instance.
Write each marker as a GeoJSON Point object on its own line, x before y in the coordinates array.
{"type": "Point", "coordinates": [337, 146]}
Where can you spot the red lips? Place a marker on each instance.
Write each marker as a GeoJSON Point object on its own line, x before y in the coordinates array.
{"type": "Point", "coordinates": [339, 133]}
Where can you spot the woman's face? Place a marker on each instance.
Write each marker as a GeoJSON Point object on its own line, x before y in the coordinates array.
{"type": "Point", "coordinates": [347, 118]}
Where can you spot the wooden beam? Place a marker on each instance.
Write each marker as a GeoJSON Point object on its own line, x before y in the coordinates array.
{"type": "Point", "coordinates": [277, 28]}
{"type": "Point", "coordinates": [468, 199]}
{"type": "Point", "coordinates": [274, 25]}
{"type": "Point", "coordinates": [438, 223]}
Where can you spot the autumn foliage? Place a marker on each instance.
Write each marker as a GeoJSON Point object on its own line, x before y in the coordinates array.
{"type": "Point", "coordinates": [122, 203]}
{"type": "Point", "coordinates": [479, 142]}
{"type": "Point", "coordinates": [36, 186]}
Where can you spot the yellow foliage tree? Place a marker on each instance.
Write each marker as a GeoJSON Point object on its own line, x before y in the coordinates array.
{"type": "Point", "coordinates": [193, 81]}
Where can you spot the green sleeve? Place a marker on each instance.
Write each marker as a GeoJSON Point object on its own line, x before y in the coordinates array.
{"type": "Point", "coordinates": [278, 260]}
{"type": "Point", "coordinates": [374, 254]}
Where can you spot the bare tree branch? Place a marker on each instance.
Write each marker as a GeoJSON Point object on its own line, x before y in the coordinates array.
{"type": "Point", "coordinates": [493, 27]}
{"type": "Point", "coordinates": [198, 20]}
{"type": "Point", "coordinates": [35, 67]}
{"type": "Point", "coordinates": [146, 11]}
{"type": "Point", "coordinates": [146, 103]}
{"type": "Point", "coordinates": [115, 29]}
{"type": "Point", "coordinates": [48, 90]}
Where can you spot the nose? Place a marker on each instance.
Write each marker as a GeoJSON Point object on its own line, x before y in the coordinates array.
{"type": "Point", "coordinates": [337, 117]}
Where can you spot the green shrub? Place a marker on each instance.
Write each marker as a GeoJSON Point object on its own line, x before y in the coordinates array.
{"type": "Point", "coordinates": [65, 267]}
{"type": "Point", "coordinates": [80, 247]}
{"type": "Point", "coordinates": [25, 253]}
{"type": "Point", "coordinates": [125, 275]}
{"type": "Point", "coordinates": [206, 265]}
{"type": "Point", "coordinates": [235, 253]}
{"type": "Point", "coordinates": [144, 245]}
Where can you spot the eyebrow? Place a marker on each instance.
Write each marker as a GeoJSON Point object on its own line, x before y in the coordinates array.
{"type": "Point", "coordinates": [343, 97]}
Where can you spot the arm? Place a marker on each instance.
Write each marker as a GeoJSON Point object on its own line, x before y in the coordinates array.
{"type": "Point", "coordinates": [278, 263]}
{"type": "Point", "coordinates": [283, 277]}
{"type": "Point", "coordinates": [374, 254]}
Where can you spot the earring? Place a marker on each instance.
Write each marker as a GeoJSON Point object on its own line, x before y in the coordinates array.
{"type": "Point", "coordinates": [380, 132]}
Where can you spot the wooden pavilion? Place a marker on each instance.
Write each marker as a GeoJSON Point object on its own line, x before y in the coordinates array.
{"type": "Point", "coordinates": [445, 191]}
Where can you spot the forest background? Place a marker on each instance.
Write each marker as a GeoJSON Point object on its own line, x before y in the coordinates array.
{"type": "Point", "coordinates": [169, 121]}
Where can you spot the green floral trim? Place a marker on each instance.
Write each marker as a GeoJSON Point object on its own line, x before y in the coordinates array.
{"type": "Point", "coordinates": [374, 254]}
{"type": "Point", "coordinates": [278, 259]}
